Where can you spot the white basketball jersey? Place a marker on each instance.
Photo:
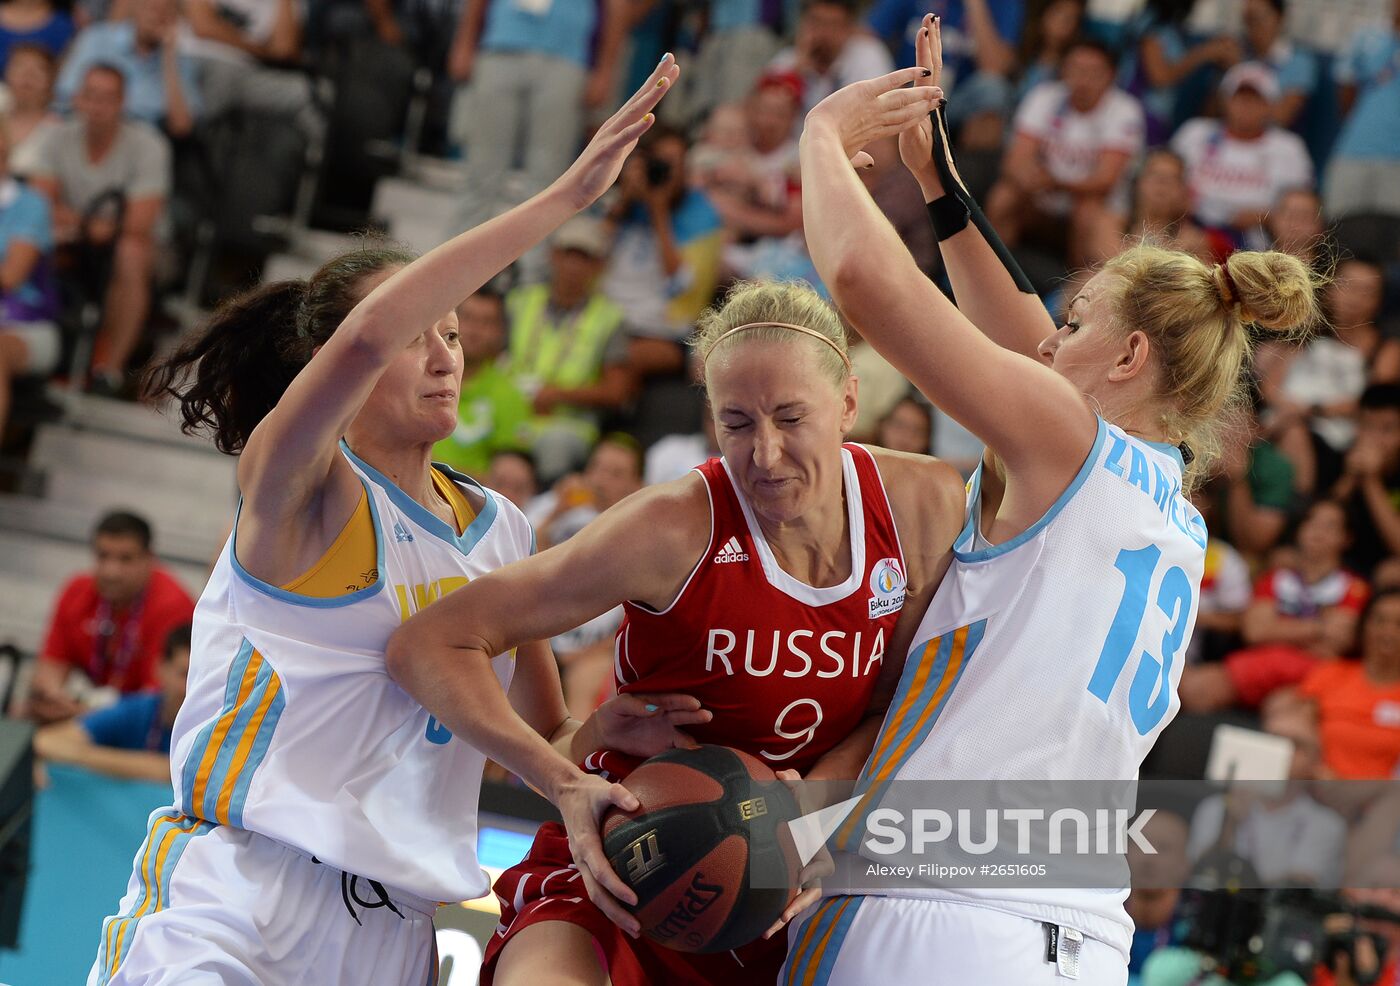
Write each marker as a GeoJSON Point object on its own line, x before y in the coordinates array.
{"type": "Point", "coordinates": [293, 729]}
{"type": "Point", "coordinates": [1056, 655]}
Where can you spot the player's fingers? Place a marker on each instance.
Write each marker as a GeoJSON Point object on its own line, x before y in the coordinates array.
{"type": "Point", "coordinates": [912, 102]}
{"type": "Point", "coordinates": [606, 903]}
{"type": "Point", "coordinates": [690, 717]}
{"type": "Point", "coordinates": [923, 47]}
{"type": "Point", "coordinates": [897, 79]}
{"type": "Point", "coordinates": [623, 798]}
{"type": "Point", "coordinates": [796, 906]}
{"type": "Point", "coordinates": [668, 701]}
{"type": "Point", "coordinates": [862, 161]}
{"type": "Point", "coordinates": [682, 740]}
{"type": "Point", "coordinates": [633, 132]}
{"type": "Point", "coordinates": [656, 86]}
{"type": "Point", "coordinates": [597, 864]}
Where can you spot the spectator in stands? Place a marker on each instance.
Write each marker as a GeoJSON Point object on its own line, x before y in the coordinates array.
{"type": "Point", "coordinates": [512, 474]}
{"type": "Point", "coordinates": [675, 455]}
{"type": "Point", "coordinates": [1295, 224]}
{"type": "Point", "coordinates": [899, 197]}
{"type": "Point", "coordinates": [1300, 616]}
{"type": "Point", "coordinates": [666, 254]}
{"type": "Point", "coordinates": [568, 352]}
{"type": "Point", "coordinates": [979, 57]}
{"type": "Point", "coordinates": [741, 37]}
{"type": "Point", "coordinates": [1163, 57]}
{"type": "Point", "coordinates": [1252, 490]}
{"type": "Point", "coordinates": [33, 22]}
{"type": "Point", "coordinates": [1225, 590]}
{"type": "Point", "coordinates": [1071, 154]}
{"type": "Point", "coordinates": [1045, 41]}
{"type": "Point", "coordinates": [1313, 389]}
{"type": "Point", "coordinates": [1364, 172]}
{"type": "Point", "coordinates": [110, 624]}
{"type": "Point", "coordinates": [1289, 839]}
{"type": "Point", "coordinates": [1296, 68]}
{"type": "Point", "coordinates": [131, 738]}
{"type": "Point", "coordinates": [161, 85]}
{"type": "Point", "coordinates": [524, 80]}
{"type": "Point", "coordinates": [831, 51]}
{"type": "Point", "coordinates": [1158, 214]}
{"type": "Point", "coordinates": [1370, 483]}
{"type": "Point", "coordinates": [493, 413]}
{"type": "Point", "coordinates": [246, 52]}
{"type": "Point", "coordinates": [614, 470]}
{"type": "Point", "coordinates": [29, 85]}
{"type": "Point", "coordinates": [1157, 878]}
{"type": "Point", "coordinates": [907, 427]}
{"type": "Point", "coordinates": [29, 338]}
{"type": "Point", "coordinates": [1358, 702]}
{"type": "Point", "coordinates": [1240, 165]}
{"type": "Point", "coordinates": [84, 163]}
{"type": "Point", "coordinates": [756, 193]}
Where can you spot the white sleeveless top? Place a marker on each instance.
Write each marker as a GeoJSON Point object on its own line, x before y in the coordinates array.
{"type": "Point", "coordinates": [293, 729]}
{"type": "Point", "coordinates": [1056, 655]}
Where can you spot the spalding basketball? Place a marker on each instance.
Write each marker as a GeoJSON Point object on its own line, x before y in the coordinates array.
{"type": "Point", "coordinates": [708, 853]}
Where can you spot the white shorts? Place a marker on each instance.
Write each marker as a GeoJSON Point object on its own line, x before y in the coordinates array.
{"type": "Point", "coordinates": [211, 905]}
{"type": "Point", "coordinates": [903, 941]}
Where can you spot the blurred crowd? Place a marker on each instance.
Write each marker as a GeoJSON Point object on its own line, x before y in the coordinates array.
{"type": "Point", "coordinates": [134, 129]}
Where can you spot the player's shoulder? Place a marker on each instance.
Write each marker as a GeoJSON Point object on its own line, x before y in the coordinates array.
{"type": "Point", "coordinates": [921, 489]}
{"type": "Point", "coordinates": [663, 516]}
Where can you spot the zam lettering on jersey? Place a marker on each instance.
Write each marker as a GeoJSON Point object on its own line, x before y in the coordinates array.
{"type": "Point", "coordinates": [1166, 493]}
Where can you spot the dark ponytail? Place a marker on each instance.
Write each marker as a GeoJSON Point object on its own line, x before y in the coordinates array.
{"type": "Point", "coordinates": [227, 378]}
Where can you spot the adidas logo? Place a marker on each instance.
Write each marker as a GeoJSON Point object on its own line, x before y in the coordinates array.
{"type": "Point", "coordinates": [401, 533]}
{"type": "Point", "coordinates": [731, 552]}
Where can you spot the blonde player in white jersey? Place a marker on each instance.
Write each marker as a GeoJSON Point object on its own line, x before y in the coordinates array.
{"type": "Point", "coordinates": [319, 812]}
{"type": "Point", "coordinates": [1052, 649]}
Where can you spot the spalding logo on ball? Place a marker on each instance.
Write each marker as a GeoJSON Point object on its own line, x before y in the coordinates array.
{"type": "Point", "coordinates": [709, 852]}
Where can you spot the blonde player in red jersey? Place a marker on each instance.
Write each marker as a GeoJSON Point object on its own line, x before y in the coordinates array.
{"type": "Point", "coordinates": [770, 584]}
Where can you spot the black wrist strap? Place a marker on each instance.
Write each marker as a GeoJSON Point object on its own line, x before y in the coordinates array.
{"type": "Point", "coordinates": [949, 215]}
{"type": "Point", "coordinates": [942, 162]}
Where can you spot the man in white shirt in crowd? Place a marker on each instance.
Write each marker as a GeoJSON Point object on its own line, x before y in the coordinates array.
{"type": "Point", "coordinates": [1239, 167]}
{"type": "Point", "coordinates": [1073, 145]}
{"type": "Point", "coordinates": [831, 50]}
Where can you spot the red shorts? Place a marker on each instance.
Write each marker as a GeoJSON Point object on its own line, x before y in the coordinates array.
{"type": "Point", "coordinates": [546, 886]}
{"type": "Point", "coordinates": [1257, 672]}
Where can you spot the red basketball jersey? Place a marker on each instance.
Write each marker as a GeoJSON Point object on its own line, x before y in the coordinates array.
{"type": "Point", "coordinates": [787, 669]}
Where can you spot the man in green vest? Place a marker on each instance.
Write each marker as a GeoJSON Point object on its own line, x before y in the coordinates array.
{"type": "Point", "coordinates": [493, 414]}
{"type": "Point", "coordinates": [567, 349]}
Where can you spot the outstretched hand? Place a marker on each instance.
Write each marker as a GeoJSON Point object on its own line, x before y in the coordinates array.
{"type": "Point", "coordinates": [864, 112]}
{"type": "Point", "coordinates": [581, 805]}
{"type": "Point", "coordinates": [916, 142]}
{"type": "Point", "coordinates": [595, 170]}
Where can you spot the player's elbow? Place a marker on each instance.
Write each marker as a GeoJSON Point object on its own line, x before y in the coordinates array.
{"type": "Point", "coordinates": [404, 652]}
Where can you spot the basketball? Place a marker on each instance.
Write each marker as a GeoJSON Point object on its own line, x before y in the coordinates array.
{"type": "Point", "coordinates": [707, 853]}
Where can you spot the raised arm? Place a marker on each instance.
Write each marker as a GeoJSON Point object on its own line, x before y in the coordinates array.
{"type": "Point", "coordinates": [993, 392]}
{"type": "Point", "coordinates": [988, 291]}
{"type": "Point", "coordinates": [290, 453]}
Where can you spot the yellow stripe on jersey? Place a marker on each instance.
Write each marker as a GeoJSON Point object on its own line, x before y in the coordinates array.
{"type": "Point", "coordinates": [221, 727]}
{"type": "Point", "coordinates": [349, 564]}
{"type": "Point", "coordinates": [167, 835]}
{"type": "Point", "coordinates": [929, 677]}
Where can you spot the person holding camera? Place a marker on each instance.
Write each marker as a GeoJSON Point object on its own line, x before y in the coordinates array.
{"type": "Point", "coordinates": [666, 253]}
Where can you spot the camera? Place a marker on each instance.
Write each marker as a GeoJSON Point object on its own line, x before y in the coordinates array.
{"type": "Point", "coordinates": [1253, 935]}
{"type": "Point", "coordinates": [658, 172]}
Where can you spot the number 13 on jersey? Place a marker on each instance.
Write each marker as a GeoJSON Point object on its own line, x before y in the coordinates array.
{"type": "Point", "coordinates": [1149, 695]}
